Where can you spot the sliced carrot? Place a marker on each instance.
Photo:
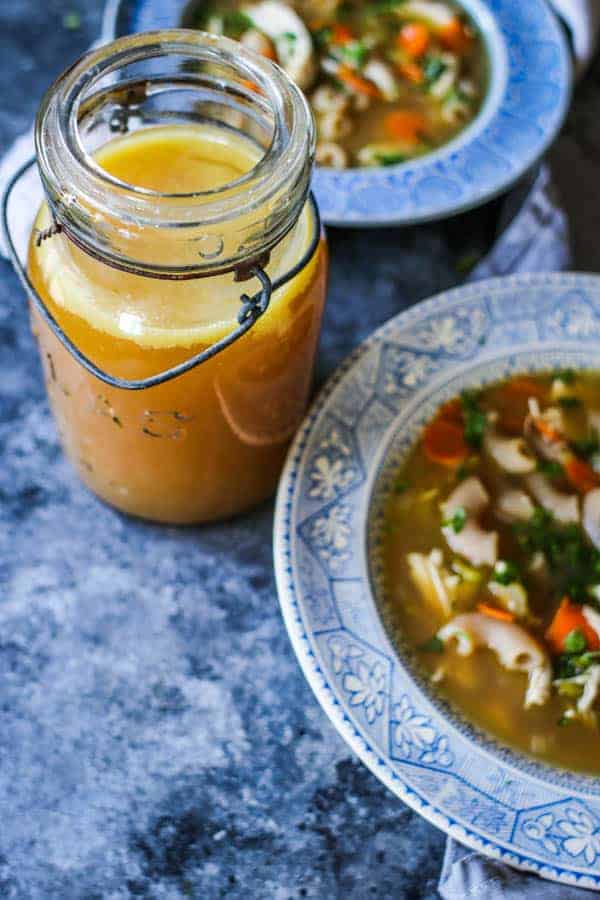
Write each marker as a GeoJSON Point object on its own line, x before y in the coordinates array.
{"type": "Point", "coordinates": [511, 400]}
{"type": "Point", "coordinates": [456, 36]}
{"type": "Point", "coordinates": [444, 443]}
{"type": "Point", "coordinates": [452, 411]}
{"type": "Point", "coordinates": [581, 475]}
{"type": "Point", "coordinates": [341, 34]}
{"type": "Point", "coordinates": [549, 433]}
{"type": "Point", "coordinates": [567, 618]}
{"type": "Point", "coordinates": [413, 38]}
{"type": "Point", "coordinates": [494, 613]}
{"type": "Point", "coordinates": [356, 83]}
{"type": "Point", "coordinates": [412, 71]}
{"type": "Point", "coordinates": [405, 125]}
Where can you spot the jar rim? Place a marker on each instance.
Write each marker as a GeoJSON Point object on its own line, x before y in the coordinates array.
{"type": "Point", "coordinates": [271, 194]}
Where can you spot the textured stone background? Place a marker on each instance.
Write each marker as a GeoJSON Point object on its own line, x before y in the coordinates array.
{"type": "Point", "coordinates": [157, 738]}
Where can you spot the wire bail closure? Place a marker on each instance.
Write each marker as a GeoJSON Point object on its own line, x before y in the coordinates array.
{"type": "Point", "coordinates": [253, 307]}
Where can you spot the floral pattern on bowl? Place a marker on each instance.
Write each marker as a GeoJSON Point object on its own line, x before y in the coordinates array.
{"type": "Point", "coordinates": [327, 533]}
{"type": "Point", "coordinates": [527, 99]}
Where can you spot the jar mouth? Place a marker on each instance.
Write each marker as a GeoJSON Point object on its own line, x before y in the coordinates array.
{"type": "Point", "coordinates": [168, 77]}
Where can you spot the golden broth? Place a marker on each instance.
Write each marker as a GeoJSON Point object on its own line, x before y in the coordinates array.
{"type": "Point", "coordinates": [477, 685]}
{"type": "Point", "coordinates": [209, 443]}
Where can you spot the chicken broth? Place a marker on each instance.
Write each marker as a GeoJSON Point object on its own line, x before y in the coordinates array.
{"type": "Point", "coordinates": [492, 561]}
{"type": "Point", "coordinates": [387, 81]}
{"type": "Point", "coordinates": [209, 443]}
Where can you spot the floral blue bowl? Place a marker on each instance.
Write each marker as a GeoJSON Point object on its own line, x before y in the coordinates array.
{"type": "Point", "coordinates": [326, 545]}
{"type": "Point", "coordinates": [528, 96]}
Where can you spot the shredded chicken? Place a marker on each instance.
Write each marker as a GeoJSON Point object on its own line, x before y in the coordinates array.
{"type": "Point", "coordinates": [436, 584]}
{"type": "Point", "coordinates": [480, 547]}
{"type": "Point", "coordinates": [517, 651]}
{"type": "Point", "coordinates": [591, 516]}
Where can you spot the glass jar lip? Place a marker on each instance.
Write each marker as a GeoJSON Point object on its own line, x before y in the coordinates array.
{"type": "Point", "coordinates": [69, 171]}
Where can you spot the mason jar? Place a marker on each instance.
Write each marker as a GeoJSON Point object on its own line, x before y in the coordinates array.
{"type": "Point", "coordinates": [177, 271]}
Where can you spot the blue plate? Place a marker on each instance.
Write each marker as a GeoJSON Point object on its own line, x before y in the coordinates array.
{"type": "Point", "coordinates": [527, 99]}
{"type": "Point", "coordinates": [327, 543]}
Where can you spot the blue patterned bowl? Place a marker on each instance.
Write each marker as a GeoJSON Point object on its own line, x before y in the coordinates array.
{"type": "Point", "coordinates": [527, 100]}
{"type": "Point", "coordinates": [327, 538]}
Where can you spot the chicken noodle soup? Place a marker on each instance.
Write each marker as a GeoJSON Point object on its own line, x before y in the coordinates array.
{"type": "Point", "coordinates": [492, 561]}
{"type": "Point", "coordinates": [387, 80]}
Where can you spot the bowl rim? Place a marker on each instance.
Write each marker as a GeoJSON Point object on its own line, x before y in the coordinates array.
{"type": "Point", "coordinates": [292, 612]}
{"type": "Point", "coordinates": [440, 184]}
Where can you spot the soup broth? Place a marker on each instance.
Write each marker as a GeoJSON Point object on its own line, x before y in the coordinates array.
{"type": "Point", "coordinates": [209, 443]}
{"type": "Point", "coordinates": [492, 561]}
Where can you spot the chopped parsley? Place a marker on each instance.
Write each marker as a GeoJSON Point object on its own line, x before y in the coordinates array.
{"type": "Point", "coordinates": [551, 468]}
{"type": "Point", "coordinates": [569, 402]}
{"type": "Point", "coordinates": [235, 22]}
{"type": "Point", "coordinates": [401, 486]}
{"type": "Point", "coordinates": [575, 641]}
{"type": "Point", "coordinates": [564, 720]}
{"type": "Point", "coordinates": [433, 645]}
{"type": "Point", "coordinates": [433, 68]}
{"type": "Point", "coordinates": [574, 562]}
{"type": "Point", "coordinates": [587, 447]}
{"type": "Point", "coordinates": [505, 572]}
{"type": "Point", "coordinates": [457, 520]}
{"type": "Point", "coordinates": [390, 159]}
{"type": "Point", "coordinates": [567, 376]}
{"type": "Point", "coordinates": [475, 419]}
{"type": "Point", "coordinates": [354, 53]}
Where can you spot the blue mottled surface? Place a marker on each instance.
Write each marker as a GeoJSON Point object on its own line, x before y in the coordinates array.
{"type": "Point", "coordinates": [157, 738]}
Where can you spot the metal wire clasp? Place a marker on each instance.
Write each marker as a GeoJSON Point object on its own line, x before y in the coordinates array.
{"type": "Point", "coordinates": [253, 307]}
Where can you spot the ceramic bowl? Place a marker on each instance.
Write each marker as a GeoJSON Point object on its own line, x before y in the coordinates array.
{"type": "Point", "coordinates": [527, 98]}
{"type": "Point", "coordinates": [327, 539]}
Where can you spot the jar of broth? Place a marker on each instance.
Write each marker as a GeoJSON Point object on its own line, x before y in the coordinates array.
{"type": "Point", "coordinates": [179, 271]}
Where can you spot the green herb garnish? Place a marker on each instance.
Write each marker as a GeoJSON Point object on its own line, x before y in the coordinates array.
{"type": "Point", "coordinates": [567, 376]}
{"type": "Point", "coordinates": [564, 720]}
{"type": "Point", "coordinates": [433, 645]}
{"type": "Point", "coordinates": [457, 520]}
{"type": "Point", "coordinates": [475, 419]}
{"type": "Point", "coordinates": [235, 22]}
{"type": "Point", "coordinates": [433, 68]}
{"type": "Point", "coordinates": [569, 402]}
{"type": "Point", "coordinates": [401, 486]}
{"type": "Point", "coordinates": [586, 447]}
{"type": "Point", "coordinates": [505, 572]}
{"type": "Point", "coordinates": [575, 641]}
{"type": "Point", "coordinates": [390, 159]}
{"type": "Point", "coordinates": [354, 53]}
{"type": "Point", "coordinates": [574, 562]}
{"type": "Point", "coordinates": [551, 468]}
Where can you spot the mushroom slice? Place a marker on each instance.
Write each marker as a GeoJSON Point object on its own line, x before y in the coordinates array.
{"type": "Point", "coordinates": [514, 506]}
{"type": "Point", "coordinates": [545, 431]}
{"type": "Point", "coordinates": [515, 648]}
{"type": "Point", "coordinates": [382, 77]}
{"type": "Point", "coordinates": [439, 15]}
{"type": "Point", "coordinates": [291, 38]}
{"type": "Point", "coordinates": [591, 516]}
{"type": "Point", "coordinates": [510, 453]}
{"type": "Point", "coordinates": [471, 541]}
{"type": "Point", "coordinates": [512, 597]}
{"type": "Point", "coordinates": [564, 507]}
{"type": "Point", "coordinates": [436, 584]}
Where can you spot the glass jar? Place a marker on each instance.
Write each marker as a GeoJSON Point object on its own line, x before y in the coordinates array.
{"type": "Point", "coordinates": [180, 271]}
